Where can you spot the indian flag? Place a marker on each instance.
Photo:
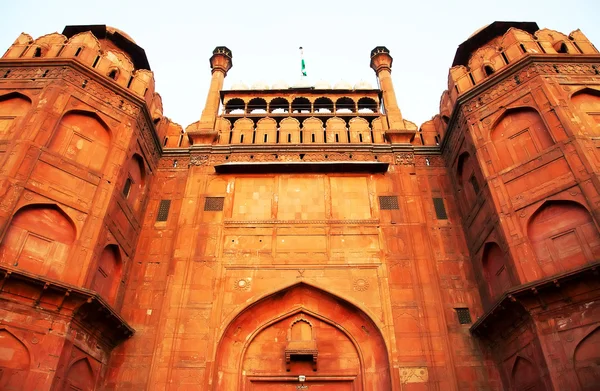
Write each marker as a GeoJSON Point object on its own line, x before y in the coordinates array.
{"type": "Point", "coordinates": [302, 64]}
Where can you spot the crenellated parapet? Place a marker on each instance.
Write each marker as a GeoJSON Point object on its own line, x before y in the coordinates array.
{"type": "Point", "coordinates": [483, 62]}
{"type": "Point", "coordinates": [106, 50]}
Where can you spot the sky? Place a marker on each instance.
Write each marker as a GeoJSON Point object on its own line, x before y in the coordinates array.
{"type": "Point", "coordinates": [264, 36]}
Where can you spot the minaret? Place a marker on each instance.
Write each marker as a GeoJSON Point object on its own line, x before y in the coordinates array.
{"type": "Point", "coordinates": [220, 63]}
{"type": "Point", "coordinates": [381, 62]}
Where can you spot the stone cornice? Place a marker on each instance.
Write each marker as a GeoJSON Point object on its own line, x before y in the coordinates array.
{"type": "Point", "coordinates": [84, 306]}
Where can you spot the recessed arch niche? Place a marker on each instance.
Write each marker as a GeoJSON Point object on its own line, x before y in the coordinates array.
{"type": "Point", "coordinates": [587, 102]}
{"type": "Point", "coordinates": [108, 273]}
{"type": "Point", "coordinates": [83, 138]}
{"type": "Point", "coordinates": [495, 269]}
{"type": "Point", "coordinates": [38, 239]}
{"type": "Point", "coordinates": [467, 181]}
{"type": "Point", "coordinates": [587, 361]}
{"type": "Point", "coordinates": [563, 236]}
{"type": "Point", "coordinates": [519, 135]}
{"type": "Point", "coordinates": [525, 376]}
{"type": "Point", "coordinates": [14, 366]}
{"type": "Point", "coordinates": [80, 376]}
{"type": "Point", "coordinates": [135, 183]}
{"type": "Point", "coordinates": [12, 107]}
{"type": "Point", "coordinates": [352, 353]}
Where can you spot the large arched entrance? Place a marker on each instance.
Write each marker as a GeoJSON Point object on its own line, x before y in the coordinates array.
{"type": "Point", "coordinates": [302, 331]}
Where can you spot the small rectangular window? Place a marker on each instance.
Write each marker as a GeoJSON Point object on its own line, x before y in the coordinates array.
{"type": "Point", "coordinates": [474, 183]}
{"type": "Point", "coordinates": [127, 187]}
{"type": "Point", "coordinates": [440, 209]}
{"type": "Point", "coordinates": [163, 210]}
{"type": "Point", "coordinates": [388, 202]}
{"type": "Point", "coordinates": [464, 315]}
{"type": "Point", "coordinates": [214, 203]}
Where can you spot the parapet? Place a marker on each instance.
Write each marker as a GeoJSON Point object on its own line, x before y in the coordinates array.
{"type": "Point", "coordinates": [106, 50]}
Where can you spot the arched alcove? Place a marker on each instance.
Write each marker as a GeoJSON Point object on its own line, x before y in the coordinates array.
{"type": "Point", "coordinates": [563, 236]}
{"type": "Point", "coordinates": [279, 106]}
{"type": "Point", "coordinates": [345, 105]}
{"type": "Point", "coordinates": [367, 105]}
{"type": "Point", "coordinates": [519, 135]}
{"type": "Point", "coordinates": [323, 105]}
{"type": "Point", "coordinates": [12, 107]}
{"type": "Point", "coordinates": [235, 106]}
{"type": "Point", "coordinates": [83, 138]}
{"type": "Point", "coordinates": [587, 361]}
{"type": "Point", "coordinates": [495, 269]}
{"type": "Point", "coordinates": [468, 184]}
{"type": "Point", "coordinates": [38, 239]}
{"type": "Point", "coordinates": [587, 102]}
{"type": "Point", "coordinates": [254, 343]}
{"type": "Point", "coordinates": [108, 273]}
{"type": "Point", "coordinates": [525, 376]}
{"type": "Point", "coordinates": [257, 106]}
{"type": "Point", "coordinates": [80, 376]}
{"type": "Point", "coordinates": [301, 105]}
{"type": "Point", "coordinates": [15, 363]}
{"type": "Point", "coordinates": [135, 183]}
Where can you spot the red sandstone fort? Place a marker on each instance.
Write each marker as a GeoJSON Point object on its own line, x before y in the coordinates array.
{"type": "Point", "coordinates": [303, 237]}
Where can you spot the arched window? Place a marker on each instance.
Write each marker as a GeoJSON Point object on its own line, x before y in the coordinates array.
{"type": "Point", "coordinates": [279, 106]}
{"type": "Point", "coordinates": [345, 105]}
{"type": "Point", "coordinates": [519, 135]}
{"type": "Point", "coordinates": [561, 47]}
{"type": "Point", "coordinates": [134, 186]}
{"type": "Point", "coordinates": [488, 70]}
{"type": "Point", "coordinates": [563, 236]}
{"type": "Point", "coordinates": [257, 106]}
{"type": "Point", "coordinates": [235, 106]}
{"type": "Point", "coordinates": [467, 182]}
{"type": "Point", "coordinates": [38, 240]}
{"type": "Point", "coordinates": [495, 269]}
{"type": "Point", "coordinates": [113, 74]}
{"type": "Point", "coordinates": [37, 52]}
{"type": "Point", "coordinates": [108, 273]}
{"type": "Point", "coordinates": [82, 138]}
{"type": "Point", "coordinates": [323, 105]}
{"type": "Point", "coordinates": [367, 105]}
{"type": "Point", "coordinates": [301, 105]}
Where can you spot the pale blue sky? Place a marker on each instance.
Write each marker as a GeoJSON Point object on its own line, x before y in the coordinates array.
{"type": "Point", "coordinates": [179, 37]}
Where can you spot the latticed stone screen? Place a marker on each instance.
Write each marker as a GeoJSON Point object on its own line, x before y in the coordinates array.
{"type": "Point", "coordinates": [163, 210]}
{"type": "Point", "coordinates": [388, 202]}
{"type": "Point", "coordinates": [464, 315]}
{"type": "Point", "coordinates": [214, 203]}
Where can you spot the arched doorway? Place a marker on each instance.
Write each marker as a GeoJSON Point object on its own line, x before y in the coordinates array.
{"type": "Point", "coordinates": [302, 331]}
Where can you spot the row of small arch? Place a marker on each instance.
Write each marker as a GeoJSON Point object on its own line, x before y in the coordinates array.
{"type": "Point", "coordinates": [290, 131]}
{"type": "Point", "coordinates": [87, 49]}
{"type": "Point", "coordinates": [301, 105]}
{"type": "Point", "coordinates": [513, 45]}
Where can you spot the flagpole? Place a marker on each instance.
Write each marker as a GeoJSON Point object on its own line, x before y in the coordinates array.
{"type": "Point", "coordinates": [302, 64]}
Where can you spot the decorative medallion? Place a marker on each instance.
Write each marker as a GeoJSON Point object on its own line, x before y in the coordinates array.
{"type": "Point", "coordinates": [242, 284]}
{"type": "Point", "coordinates": [361, 285]}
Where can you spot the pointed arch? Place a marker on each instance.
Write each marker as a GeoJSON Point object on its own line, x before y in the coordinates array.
{"type": "Point", "coordinates": [38, 239]}
{"type": "Point", "coordinates": [495, 269]}
{"type": "Point", "coordinates": [468, 183]}
{"type": "Point", "coordinates": [12, 107]}
{"type": "Point", "coordinates": [525, 376]}
{"type": "Point", "coordinates": [518, 135]}
{"type": "Point", "coordinates": [586, 359]}
{"type": "Point", "coordinates": [82, 137]}
{"type": "Point", "coordinates": [14, 367]}
{"type": "Point", "coordinates": [107, 278]}
{"type": "Point", "coordinates": [563, 236]}
{"type": "Point", "coordinates": [322, 306]}
{"type": "Point", "coordinates": [80, 376]}
{"type": "Point", "coordinates": [587, 102]}
{"type": "Point", "coordinates": [135, 182]}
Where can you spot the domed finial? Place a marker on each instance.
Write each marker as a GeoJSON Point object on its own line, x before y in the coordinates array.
{"type": "Point", "coordinates": [221, 60]}
{"type": "Point", "coordinates": [380, 59]}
